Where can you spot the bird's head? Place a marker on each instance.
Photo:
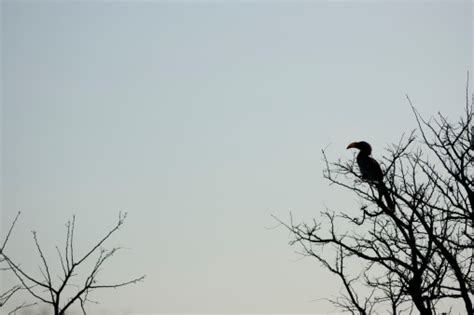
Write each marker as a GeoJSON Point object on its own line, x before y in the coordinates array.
{"type": "Point", "coordinates": [363, 146]}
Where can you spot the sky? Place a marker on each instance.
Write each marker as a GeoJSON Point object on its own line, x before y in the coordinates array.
{"type": "Point", "coordinates": [201, 120]}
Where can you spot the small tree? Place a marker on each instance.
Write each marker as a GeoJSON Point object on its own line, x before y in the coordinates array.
{"type": "Point", "coordinates": [58, 294]}
{"type": "Point", "coordinates": [6, 295]}
{"type": "Point", "coordinates": [417, 249]}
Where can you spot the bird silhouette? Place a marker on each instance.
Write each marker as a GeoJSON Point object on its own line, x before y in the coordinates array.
{"type": "Point", "coordinates": [370, 169]}
{"type": "Point", "coordinates": [472, 138]}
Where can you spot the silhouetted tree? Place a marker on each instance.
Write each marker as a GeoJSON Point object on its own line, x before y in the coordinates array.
{"type": "Point", "coordinates": [8, 293]}
{"type": "Point", "coordinates": [63, 293]}
{"type": "Point", "coordinates": [416, 247]}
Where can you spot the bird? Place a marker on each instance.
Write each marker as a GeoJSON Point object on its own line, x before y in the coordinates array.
{"type": "Point", "coordinates": [472, 138]}
{"type": "Point", "coordinates": [370, 169]}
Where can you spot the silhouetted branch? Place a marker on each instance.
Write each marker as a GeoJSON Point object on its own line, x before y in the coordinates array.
{"type": "Point", "coordinates": [415, 240]}
{"type": "Point", "coordinates": [10, 292]}
{"type": "Point", "coordinates": [45, 290]}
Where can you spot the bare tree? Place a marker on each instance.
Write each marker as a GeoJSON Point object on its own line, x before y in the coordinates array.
{"type": "Point", "coordinates": [7, 294]}
{"type": "Point", "coordinates": [414, 247]}
{"type": "Point", "coordinates": [63, 293]}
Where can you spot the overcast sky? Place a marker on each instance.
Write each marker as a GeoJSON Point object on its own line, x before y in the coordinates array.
{"type": "Point", "coordinates": [201, 119]}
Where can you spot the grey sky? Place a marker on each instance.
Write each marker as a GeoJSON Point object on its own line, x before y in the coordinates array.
{"type": "Point", "coordinates": [201, 119]}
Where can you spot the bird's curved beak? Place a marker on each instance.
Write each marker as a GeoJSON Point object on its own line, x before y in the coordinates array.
{"type": "Point", "coordinates": [352, 145]}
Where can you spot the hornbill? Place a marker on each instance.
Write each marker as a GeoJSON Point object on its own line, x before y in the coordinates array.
{"type": "Point", "coordinates": [370, 170]}
{"type": "Point", "coordinates": [472, 137]}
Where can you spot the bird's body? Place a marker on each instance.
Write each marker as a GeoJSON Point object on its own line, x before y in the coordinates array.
{"type": "Point", "coordinates": [472, 138]}
{"type": "Point", "coordinates": [370, 169]}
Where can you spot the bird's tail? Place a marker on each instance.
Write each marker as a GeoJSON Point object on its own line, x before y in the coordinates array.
{"type": "Point", "coordinates": [383, 191]}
